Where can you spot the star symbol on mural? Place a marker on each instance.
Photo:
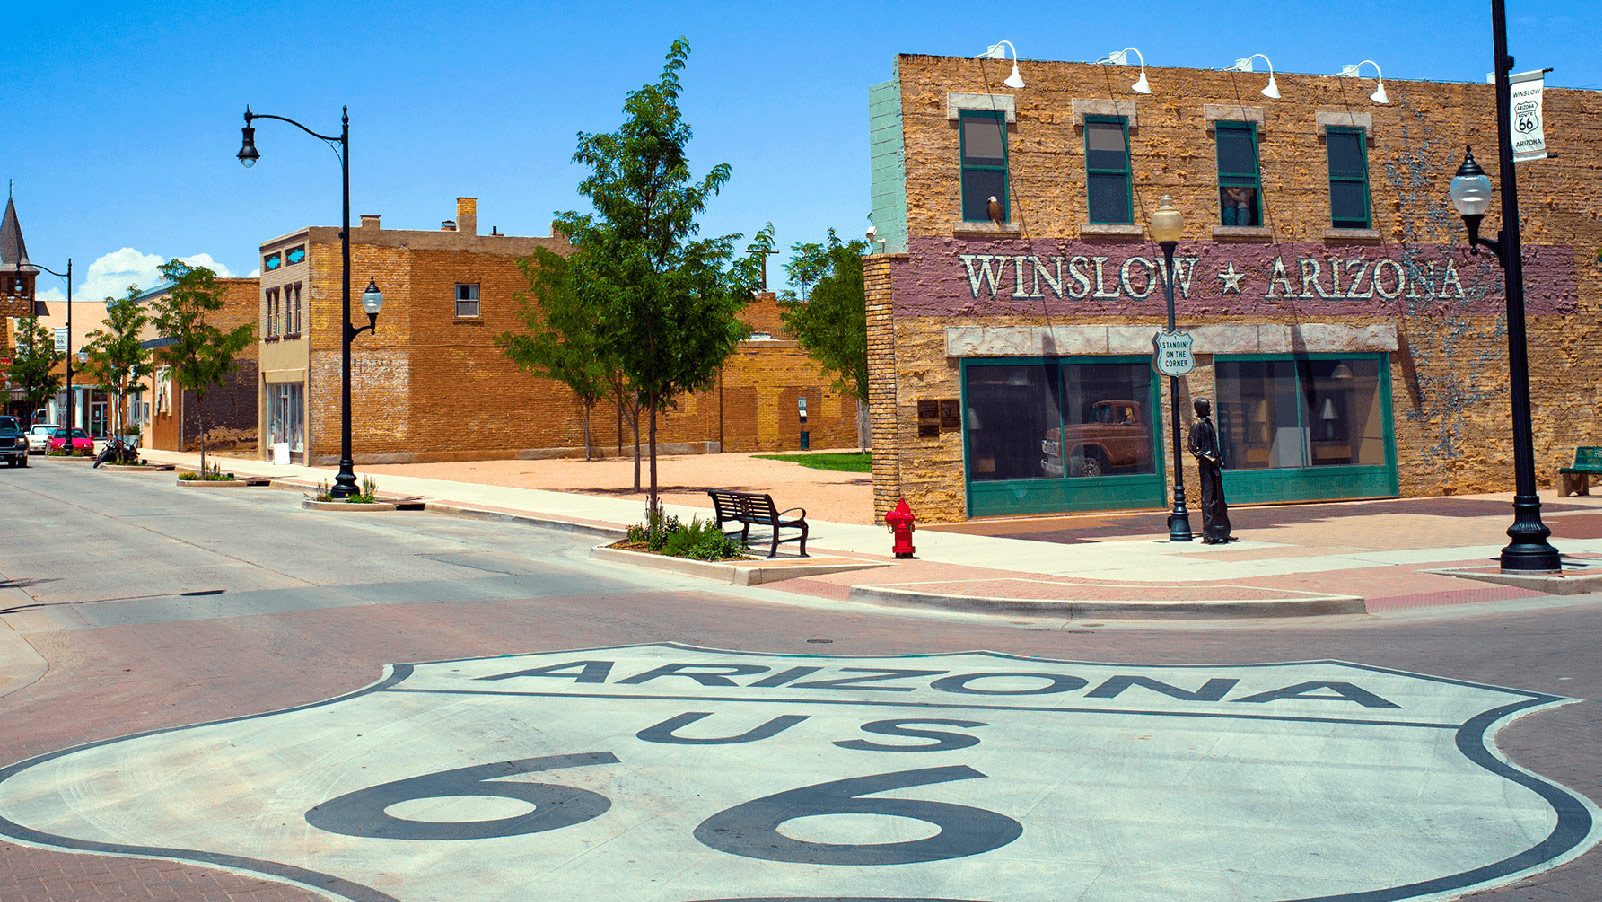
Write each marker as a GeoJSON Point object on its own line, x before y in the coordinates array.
{"type": "Point", "coordinates": [1231, 279]}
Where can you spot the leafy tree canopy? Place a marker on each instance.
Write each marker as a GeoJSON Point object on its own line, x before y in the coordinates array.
{"type": "Point", "coordinates": [827, 311]}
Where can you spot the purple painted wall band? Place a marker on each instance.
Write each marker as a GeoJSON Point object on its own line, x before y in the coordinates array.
{"type": "Point", "coordinates": [955, 277]}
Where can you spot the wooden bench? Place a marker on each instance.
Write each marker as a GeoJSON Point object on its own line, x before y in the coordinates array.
{"type": "Point", "coordinates": [751, 509]}
{"type": "Point", "coordinates": [1576, 480]}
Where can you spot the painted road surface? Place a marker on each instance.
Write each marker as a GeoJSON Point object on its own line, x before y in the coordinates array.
{"type": "Point", "coordinates": [679, 774]}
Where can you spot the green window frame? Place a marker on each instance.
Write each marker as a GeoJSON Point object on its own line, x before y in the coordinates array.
{"type": "Point", "coordinates": [1104, 170]}
{"type": "Point", "coordinates": [1348, 177]}
{"type": "Point", "coordinates": [984, 175]}
{"type": "Point", "coordinates": [1240, 186]}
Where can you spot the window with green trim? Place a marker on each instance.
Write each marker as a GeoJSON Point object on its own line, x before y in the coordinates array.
{"type": "Point", "coordinates": [1240, 185]}
{"type": "Point", "coordinates": [983, 139]}
{"type": "Point", "coordinates": [1107, 183]}
{"type": "Point", "coordinates": [1348, 178]}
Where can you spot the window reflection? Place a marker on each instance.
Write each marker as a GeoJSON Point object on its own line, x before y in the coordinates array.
{"type": "Point", "coordinates": [1276, 414]}
{"type": "Point", "coordinates": [1051, 421]}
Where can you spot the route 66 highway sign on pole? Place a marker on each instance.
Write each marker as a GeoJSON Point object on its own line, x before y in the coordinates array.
{"type": "Point", "coordinates": [1171, 354]}
{"type": "Point", "coordinates": [666, 773]}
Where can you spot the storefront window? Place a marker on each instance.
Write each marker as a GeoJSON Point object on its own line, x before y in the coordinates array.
{"type": "Point", "coordinates": [1010, 410]}
{"type": "Point", "coordinates": [1053, 420]}
{"type": "Point", "coordinates": [286, 425]}
{"type": "Point", "coordinates": [1279, 414]}
{"type": "Point", "coordinates": [1106, 426]}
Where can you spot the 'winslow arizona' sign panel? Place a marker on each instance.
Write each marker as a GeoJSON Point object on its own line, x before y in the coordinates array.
{"type": "Point", "coordinates": [672, 774]}
{"type": "Point", "coordinates": [949, 277]}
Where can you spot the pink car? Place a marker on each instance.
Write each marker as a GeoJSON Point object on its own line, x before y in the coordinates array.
{"type": "Point", "coordinates": [81, 442]}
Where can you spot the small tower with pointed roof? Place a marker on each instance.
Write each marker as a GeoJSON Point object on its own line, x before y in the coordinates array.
{"type": "Point", "coordinates": [17, 275]}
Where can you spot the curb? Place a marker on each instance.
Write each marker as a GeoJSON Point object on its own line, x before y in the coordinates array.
{"type": "Point", "coordinates": [1570, 583]}
{"type": "Point", "coordinates": [1311, 606]}
{"type": "Point", "coordinates": [248, 483]}
{"type": "Point", "coordinates": [73, 459]}
{"type": "Point", "coordinates": [473, 513]}
{"type": "Point", "coordinates": [139, 468]}
{"type": "Point", "coordinates": [737, 574]}
{"type": "Point", "coordinates": [345, 507]}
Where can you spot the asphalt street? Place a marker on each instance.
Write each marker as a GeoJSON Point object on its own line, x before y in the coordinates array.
{"type": "Point", "coordinates": [712, 743]}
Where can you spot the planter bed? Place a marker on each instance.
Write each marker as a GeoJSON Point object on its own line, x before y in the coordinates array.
{"type": "Point", "coordinates": [139, 468]}
{"type": "Point", "coordinates": [345, 507]}
{"type": "Point", "coordinates": [225, 483]}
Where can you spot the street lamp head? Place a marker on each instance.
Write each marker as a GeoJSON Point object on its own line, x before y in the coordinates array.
{"type": "Point", "coordinates": [1471, 188]}
{"type": "Point", "coordinates": [372, 298]}
{"type": "Point", "coordinates": [247, 147]}
{"type": "Point", "coordinates": [998, 51]}
{"type": "Point", "coordinates": [1167, 223]}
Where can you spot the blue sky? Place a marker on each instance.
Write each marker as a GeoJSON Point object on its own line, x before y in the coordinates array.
{"type": "Point", "coordinates": [123, 118]}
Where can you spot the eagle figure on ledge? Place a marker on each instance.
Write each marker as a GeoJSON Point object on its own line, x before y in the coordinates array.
{"type": "Point", "coordinates": [993, 208]}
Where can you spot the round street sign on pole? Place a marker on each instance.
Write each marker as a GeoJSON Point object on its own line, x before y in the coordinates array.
{"type": "Point", "coordinates": [1171, 353]}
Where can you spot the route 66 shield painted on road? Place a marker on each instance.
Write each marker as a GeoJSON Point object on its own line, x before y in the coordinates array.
{"type": "Point", "coordinates": [673, 774]}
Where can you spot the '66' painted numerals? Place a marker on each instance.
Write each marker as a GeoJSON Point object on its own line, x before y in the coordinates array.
{"type": "Point", "coordinates": [750, 829]}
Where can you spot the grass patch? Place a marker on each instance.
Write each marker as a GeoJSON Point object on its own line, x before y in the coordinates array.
{"type": "Point", "coordinates": [847, 461]}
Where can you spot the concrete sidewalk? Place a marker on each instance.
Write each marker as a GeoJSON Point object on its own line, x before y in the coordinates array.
{"type": "Point", "coordinates": [1351, 558]}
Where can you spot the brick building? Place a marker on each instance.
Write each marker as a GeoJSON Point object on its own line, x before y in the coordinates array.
{"type": "Point", "coordinates": [429, 384]}
{"type": "Point", "coordinates": [1352, 346]}
{"type": "Point", "coordinates": [172, 417]}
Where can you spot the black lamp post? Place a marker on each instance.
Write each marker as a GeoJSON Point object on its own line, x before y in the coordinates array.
{"type": "Point", "coordinates": [68, 276]}
{"type": "Point", "coordinates": [1167, 225]}
{"type": "Point", "coordinates": [372, 299]}
{"type": "Point", "coordinates": [1528, 551]}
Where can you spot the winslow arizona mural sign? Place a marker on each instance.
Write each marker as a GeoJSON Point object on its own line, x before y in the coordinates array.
{"type": "Point", "coordinates": [951, 277]}
{"type": "Point", "coordinates": [674, 774]}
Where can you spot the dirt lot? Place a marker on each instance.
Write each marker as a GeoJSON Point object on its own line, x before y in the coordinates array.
{"type": "Point", "coordinates": [682, 479]}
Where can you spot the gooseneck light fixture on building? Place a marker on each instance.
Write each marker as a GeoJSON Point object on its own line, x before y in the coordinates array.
{"type": "Point", "coordinates": [1121, 58]}
{"type": "Point", "coordinates": [1167, 226]}
{"type": "Point", "coordinates": [995, 52]}
{"type": "Point", "coordinates": [1245, 65]}
{"type": "Point", "coordinates": [1379, 95]}
{"type": "Point", "coordinates": [1528, 550]}
{"type": "Point", "coordinates": [345, 482]}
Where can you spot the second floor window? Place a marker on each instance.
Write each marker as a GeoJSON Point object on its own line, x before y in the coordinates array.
{"type": "Point", "coordinates": [272, 312]}
{"type": "Point", "coordinates": [983, 139]}
{"type": "Point", "coordinates": [1107, 169]}
{"type": "Point", "coordinates": [466, 299]}
{"type": "Point", "coordinates": [1240, 186]}
{"type": "Point", "coordinates": [292, 308]}
{"type": "Point", "coordinates": [1348, 178]}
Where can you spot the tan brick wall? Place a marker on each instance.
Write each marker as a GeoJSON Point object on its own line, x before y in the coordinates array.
{"type": "Point", "coordinates": [1449, 383]}
{"type": "Point", "coordinates": [428, 385]}
{"type": "Point", "coordinates": [230, 409]}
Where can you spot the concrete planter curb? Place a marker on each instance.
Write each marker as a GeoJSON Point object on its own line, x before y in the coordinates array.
{"type": "Point", "coordinates": [345, 507]}
{"type": "Point", "coordinates": [74, 459]}
{"type": "Point", "coordinates": [139, 468]}
{"type": "Point", "coordinates": [223, 483]}
{"type": "Point", "coordinates": [747, 572]}
{"type": "Point", "coordinates": [1304, 606]}
{"type": "Point", "coordinates": [1570, 583]}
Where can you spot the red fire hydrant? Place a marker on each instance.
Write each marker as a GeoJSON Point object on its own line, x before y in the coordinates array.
{"type": "Point", "coordinates": [902, 522]}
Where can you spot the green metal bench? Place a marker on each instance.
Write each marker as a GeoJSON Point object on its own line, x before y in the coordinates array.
{"type": "Point", "coordinates": [1576, 480]}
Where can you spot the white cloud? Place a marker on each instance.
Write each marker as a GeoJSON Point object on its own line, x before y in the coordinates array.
{"type": "Point", "coordinates": [111, 275]}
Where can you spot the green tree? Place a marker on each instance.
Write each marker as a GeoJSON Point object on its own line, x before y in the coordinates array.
{"type": "Point", "coordinates": [117, 357]}
{"type": "Point", "coordinates": [564, 340]}
{"type": "Point", "coordinates": [667, 302]}
{"type": "Point", "coordinates": [828, 314]}
{"type": "Point", "coordinates": [32, 361]}
{"type": "Point", "coordinates": [202, 355]}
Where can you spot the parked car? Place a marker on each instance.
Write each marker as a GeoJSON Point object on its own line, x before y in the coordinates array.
{"type": "Point", "coordinates": [81, 442]}
{"type": "Point", "coordinates": [13, 443]}
{"type": "Point", "coordinates": [39, 436]}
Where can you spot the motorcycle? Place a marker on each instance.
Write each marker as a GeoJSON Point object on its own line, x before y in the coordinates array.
{"type": "Point", "coordinates": [117, 451]}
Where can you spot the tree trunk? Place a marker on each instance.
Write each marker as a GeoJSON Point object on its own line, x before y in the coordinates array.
{"type": "Point", "coordinates": [635, 420]}
{"type": "Point", "coordinates": [654, 509]}
{"type": "Point", "coordinates": [200, 417]}
{"type": "Point", "coordinates": [620, 423]}
{"type": "Point", "coordinates": [588, 406]}
{"type": "Point", "coordinates": [864, 428]}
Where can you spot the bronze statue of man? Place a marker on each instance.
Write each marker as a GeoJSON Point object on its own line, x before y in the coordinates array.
{"type": "Point", "coordinates": [1210, 462]}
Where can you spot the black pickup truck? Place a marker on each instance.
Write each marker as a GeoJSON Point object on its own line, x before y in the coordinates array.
{"type": "Point", "coordinates": [13, 442]}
